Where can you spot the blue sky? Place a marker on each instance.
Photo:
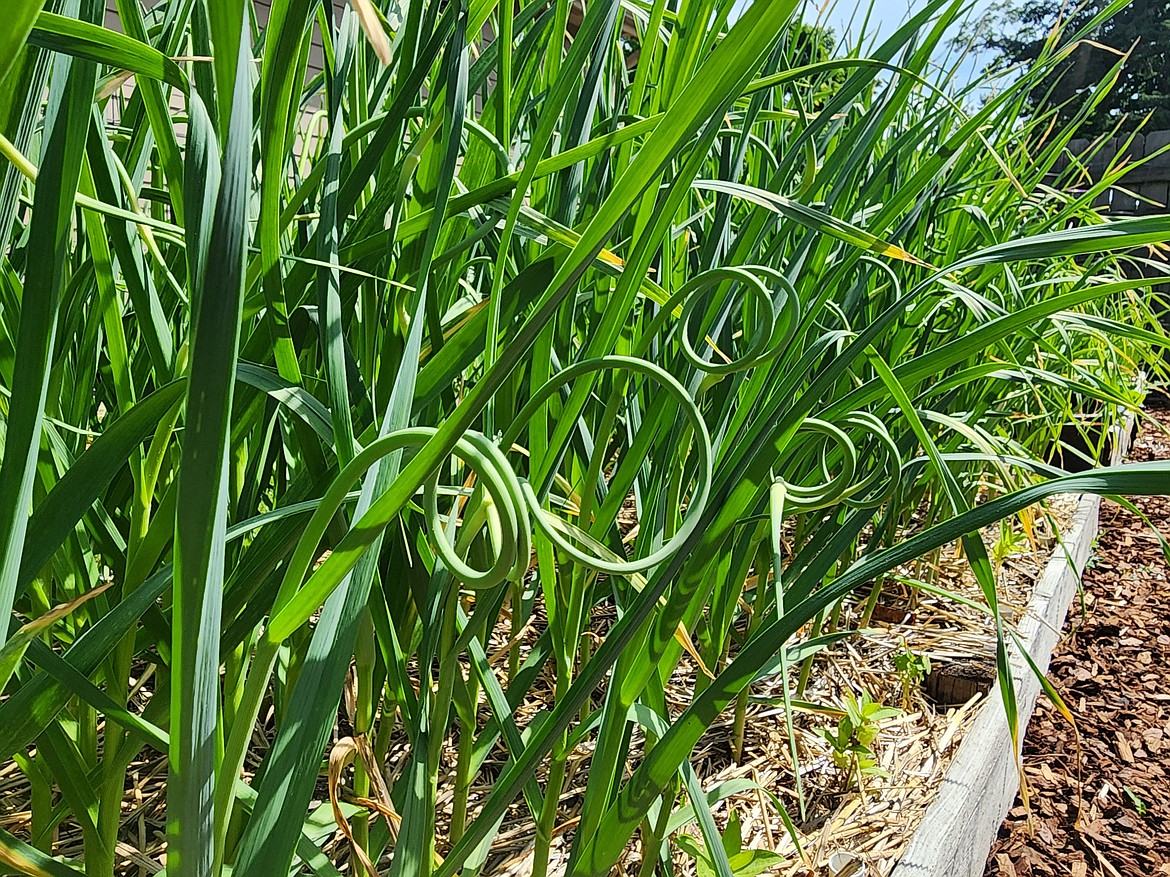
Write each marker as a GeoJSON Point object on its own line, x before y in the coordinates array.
{"type": "Point", "coordinates": [847, 17]}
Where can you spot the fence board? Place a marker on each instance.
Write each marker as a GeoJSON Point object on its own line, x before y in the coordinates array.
{"type": "Point", "coordinates": [1142, 190]}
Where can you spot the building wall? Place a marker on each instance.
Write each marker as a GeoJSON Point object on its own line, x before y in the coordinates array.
{"type": "Point", "coordinates": [316, 53]}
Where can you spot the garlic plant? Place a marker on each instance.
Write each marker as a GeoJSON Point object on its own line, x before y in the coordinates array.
{"type": "Point", "coordinates": [343, 373]}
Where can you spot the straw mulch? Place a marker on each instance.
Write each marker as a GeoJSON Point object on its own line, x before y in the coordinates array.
{"type": "Point", "coordinates": [876, 822]}
{"type": "Point", "coordinates": [873, 822]}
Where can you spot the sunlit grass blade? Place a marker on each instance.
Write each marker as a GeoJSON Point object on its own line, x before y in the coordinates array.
{"type": "Point", "coordinates": [13, 650]}
{"type": "Point", "coordinates": [23, 15]}
{"type": "Point", "coordinates": [83, 40]}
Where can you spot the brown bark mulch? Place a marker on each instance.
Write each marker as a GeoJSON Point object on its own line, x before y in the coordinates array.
{"type": "Point", "coordinates": [1108, 815]}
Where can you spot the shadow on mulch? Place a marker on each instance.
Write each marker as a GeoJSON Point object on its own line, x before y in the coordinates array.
{"type": "Point", "coordinates": [1108, 815]}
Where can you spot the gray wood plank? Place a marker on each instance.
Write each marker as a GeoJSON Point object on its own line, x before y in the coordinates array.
{"type": "Point", "coordinates": [978, 788]}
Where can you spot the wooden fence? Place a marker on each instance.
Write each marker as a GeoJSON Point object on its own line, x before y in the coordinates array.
{"type": "Point", "coordinates": [1144, 189]}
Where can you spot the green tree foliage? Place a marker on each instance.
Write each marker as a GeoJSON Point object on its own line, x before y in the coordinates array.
{"type": "Point", "coordinates": [805, 45]}
{"type": "Point", "coordinates": [1137, 38]}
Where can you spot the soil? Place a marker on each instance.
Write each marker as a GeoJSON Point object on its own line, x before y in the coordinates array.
{"type": "Point", "coordinates": [1102, 808]}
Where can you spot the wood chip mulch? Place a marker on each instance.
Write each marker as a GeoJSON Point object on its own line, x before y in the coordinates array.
{"type": "Point", "coordinates": [1106, 815]}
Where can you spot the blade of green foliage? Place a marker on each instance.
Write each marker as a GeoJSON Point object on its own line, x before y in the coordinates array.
{"type": "Point", "coordinates": [49, 233]}
{"type": "Point", "coordinates": [13, 650]}
{"type": "Point", "coordinates": [200, 523]}
{"type": "Point", "coordinates": [95, 43]}
{"type": "Point", "coordinates": [22, 16]}
{"type": "Point", "coordinates": [25, 859]}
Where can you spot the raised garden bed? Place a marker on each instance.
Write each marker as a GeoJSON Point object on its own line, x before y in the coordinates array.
{"type": "Point", "coordinates": [979, 786]}
{"type": "Point", "coordinates": [926, 750]}
{"type": "Point", "coordinates": [1100, 807]}
{"type": "Point", "coordinates": [952, 774]}
{"type": "Point", "coordinates": [982, 781]}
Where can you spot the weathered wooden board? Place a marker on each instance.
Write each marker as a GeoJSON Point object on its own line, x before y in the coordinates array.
{"type": "Point", "coordinates": [1143, 188]}
{"type": "Point", "coordinates": [980, 785]}
{"type": "Point", "coordinates": [978, 789]}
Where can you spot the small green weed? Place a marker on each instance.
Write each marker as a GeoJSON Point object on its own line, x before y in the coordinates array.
{"type": "Point", "coordinates": [855, 734]}
{"type": "Point", "coordinates": [1139, 805]}
{"type": "Point", "coordinates": [912, 668]}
